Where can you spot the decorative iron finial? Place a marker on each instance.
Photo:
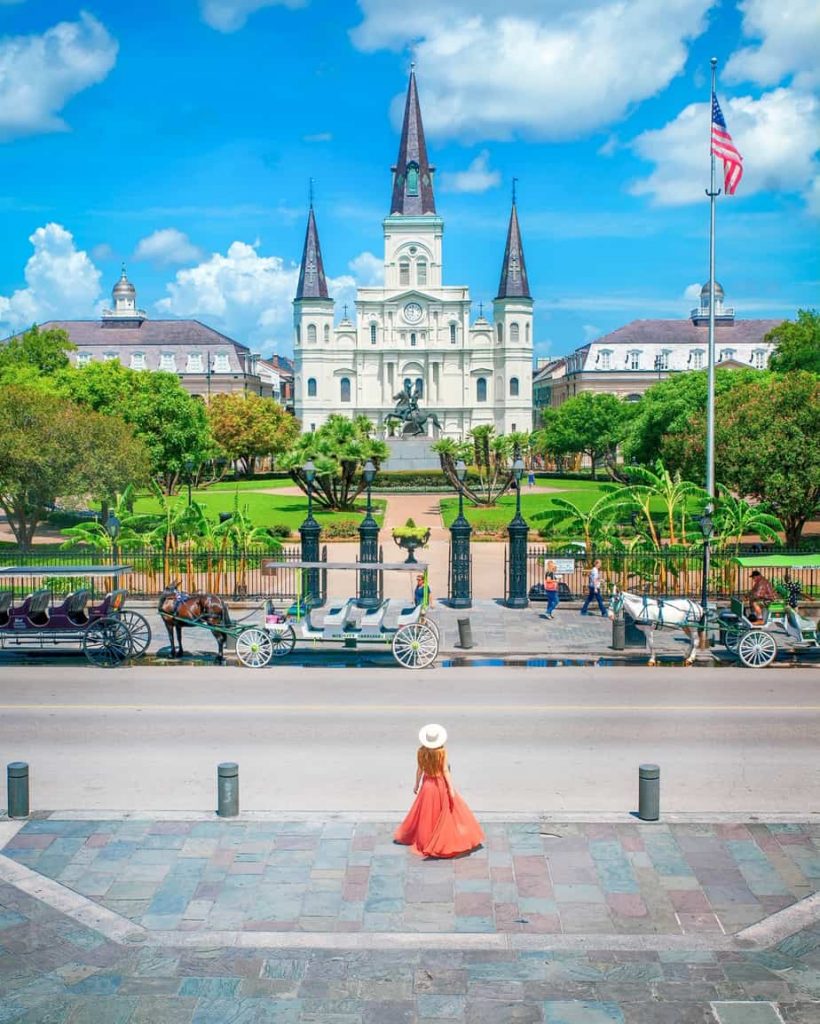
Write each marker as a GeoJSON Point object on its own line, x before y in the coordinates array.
{"type": "Point", "coordinates": [122, 270]}
{"type": "Point", "coordinates": [310, 192]}
{"type": "Point", "coordinates": [515, 181]}
{"type": "Point", "coordinates": [412, 67]}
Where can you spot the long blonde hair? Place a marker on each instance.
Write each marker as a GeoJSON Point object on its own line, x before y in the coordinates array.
{"type": "Point", "coordinates": [432, 762]}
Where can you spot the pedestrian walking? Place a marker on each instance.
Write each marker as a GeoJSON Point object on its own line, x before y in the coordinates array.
{"type": "Point", "coordinates": [551, 587]}
{"type": "Point", "coordinates": [439, 824]}
{"type": "Point", "coordinates": [594, 588]}
{"type": "Point", "coordinates": [531, 478]}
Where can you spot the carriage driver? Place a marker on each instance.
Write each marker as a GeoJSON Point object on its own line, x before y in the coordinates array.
{"type": "Point", "coordinates": [760, 596]}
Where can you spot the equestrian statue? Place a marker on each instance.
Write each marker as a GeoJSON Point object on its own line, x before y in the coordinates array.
{"type": "Point", "coordinates": [407, 412]}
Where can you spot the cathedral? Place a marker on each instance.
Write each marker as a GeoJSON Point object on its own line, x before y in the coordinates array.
{"type": "Point", "coordinates": [414, 333]}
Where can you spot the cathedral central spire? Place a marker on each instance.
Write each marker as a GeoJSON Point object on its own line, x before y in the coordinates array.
{"type": "Point", "coordinates": [412, 175]}
{"type": "Point", "coordinates": [312, 282]}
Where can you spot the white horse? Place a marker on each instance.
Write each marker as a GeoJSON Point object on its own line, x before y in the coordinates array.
{"type": "Point", "coordinates": [651, 613]}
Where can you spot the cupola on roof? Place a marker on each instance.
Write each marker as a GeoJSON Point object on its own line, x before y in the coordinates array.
{"type": "Point", "coordinates": [123, 286]}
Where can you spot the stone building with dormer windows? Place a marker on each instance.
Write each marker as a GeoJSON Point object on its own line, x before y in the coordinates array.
{"type": "Point", "coordinates": [414, 329]}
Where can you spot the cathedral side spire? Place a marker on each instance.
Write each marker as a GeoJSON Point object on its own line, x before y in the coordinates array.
{"type": "Point", "coordinates": [312, 282]}
{"type": "Point", "coordinates": [412, 175]}
{"type": "Point", "coordinates": [514, 283]}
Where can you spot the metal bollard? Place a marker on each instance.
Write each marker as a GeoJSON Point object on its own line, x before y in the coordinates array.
{"type": "Point", "coordinates": [618, 633]}
{"type": "Point", "coordinates": [649, 792]}
{"type": "Point", "coordinates": [227, 805]}
{"type": "Point", "coordinates": [18, 793]}
{"type": "Point", "coordinates": [465, 634]}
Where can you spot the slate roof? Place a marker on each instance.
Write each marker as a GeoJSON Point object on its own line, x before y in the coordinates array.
{"type": "Point", "coordinates": [412, 149]}
{"type": "Point", "coordinates": [312, 282]}
{"type": "Point", "coordinates": [655, 332]}
{"type": "Point", "coordinates": [514, 283]}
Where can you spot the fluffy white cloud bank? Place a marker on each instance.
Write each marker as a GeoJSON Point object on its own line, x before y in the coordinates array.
{"type": "Point", "coordinates": [61, 282]}
{"type": "Point", "coordinates": [551, 70]}
{"type": "Point", "coordinates": [166, 246]}
{"type": "Point", "coordinates": [476, 179]}
{"type": "Point", "coordinates": [40, 73]}
{"type": "Point", "coordinates": [776, 134]}
{"type": "Point", "coordinates": [367, 268]}
{"type": "Point", "coordinates": [787, 42]}
{"type": "Point", "coordinates": [231, 15]}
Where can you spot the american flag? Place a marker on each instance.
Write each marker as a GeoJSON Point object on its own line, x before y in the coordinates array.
{"type": "Point", "coordinates": [723, 147]}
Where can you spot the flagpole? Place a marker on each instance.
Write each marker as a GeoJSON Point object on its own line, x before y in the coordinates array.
{"type": "Point", "coordinates": [713, 193]}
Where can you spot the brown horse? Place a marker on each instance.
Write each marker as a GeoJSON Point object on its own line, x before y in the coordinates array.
{"type": "Point", "coordinates": [178, 610]}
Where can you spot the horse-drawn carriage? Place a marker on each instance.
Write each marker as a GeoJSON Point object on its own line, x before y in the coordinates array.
{"type": "Point", "coordinates": [44, 618]}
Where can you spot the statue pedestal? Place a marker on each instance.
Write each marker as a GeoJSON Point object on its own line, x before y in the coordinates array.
{"type": "Point", "coordinates": [411, 453]}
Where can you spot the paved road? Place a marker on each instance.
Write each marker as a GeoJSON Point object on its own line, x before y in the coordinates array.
{"type": "Point", "coordinates": [522, 740]}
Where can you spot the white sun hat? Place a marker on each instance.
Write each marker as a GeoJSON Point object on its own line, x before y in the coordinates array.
{"type": "Point", "coordinates": [432, 736]}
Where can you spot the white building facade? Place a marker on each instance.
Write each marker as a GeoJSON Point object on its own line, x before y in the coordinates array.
{"type": "Point", "coordinates": [415, 331]}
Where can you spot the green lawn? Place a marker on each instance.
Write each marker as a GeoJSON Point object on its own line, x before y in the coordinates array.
{"type": "Point", "coordinates": [583, 493]}
{"type": "Point", "coordinates": [254, 484]}
{"type": "Point", "coordinates": [265, 509]}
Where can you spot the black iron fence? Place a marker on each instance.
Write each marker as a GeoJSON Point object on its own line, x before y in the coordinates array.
{"type": "Point", "coordinates": [668, 572]}
{"type": "Point", "coordinates": [233, 573]}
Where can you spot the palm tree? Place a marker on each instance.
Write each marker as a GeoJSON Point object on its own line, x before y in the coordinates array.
{"type": "Point", "coordinates": [597, 526]}
{"type": "Point", "coordinates": [673, 493]}
{"type": "Point", "coordinates": [240, 533]}
{"type": "Point", "coordinates": [490, 456]}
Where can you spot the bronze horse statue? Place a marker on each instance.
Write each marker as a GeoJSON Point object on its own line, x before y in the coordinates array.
{"type": "Point", "coordinates": [178, 610]}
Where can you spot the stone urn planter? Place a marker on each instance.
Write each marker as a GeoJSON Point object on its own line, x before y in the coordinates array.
{"type": "Point", "coordinates": [410, 538]}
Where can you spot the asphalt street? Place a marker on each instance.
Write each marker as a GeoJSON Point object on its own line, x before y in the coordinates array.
{"type": "Point", "coordinates": [521, 740]}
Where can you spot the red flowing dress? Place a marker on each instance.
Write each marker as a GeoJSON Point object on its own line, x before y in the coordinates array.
{"type": "Point", "coordinates": [434, 828]}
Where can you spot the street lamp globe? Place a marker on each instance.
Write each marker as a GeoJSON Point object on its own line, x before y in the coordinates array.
{"type": "Point", "coordinates": [310, 471]}
{"type": "Point", "coordinates": [518, 469]}
{"type": "Point", "coordinates": [369, 472]}
{"type": "Point", "coordinates": [461, 470]}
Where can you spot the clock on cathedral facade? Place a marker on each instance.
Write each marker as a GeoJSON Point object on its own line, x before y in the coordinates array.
{"type": "Point", "coordinates": [414, 328]}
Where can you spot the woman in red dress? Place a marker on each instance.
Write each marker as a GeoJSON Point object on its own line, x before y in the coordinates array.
{"type": "Point", "coordinates": [439, 824]}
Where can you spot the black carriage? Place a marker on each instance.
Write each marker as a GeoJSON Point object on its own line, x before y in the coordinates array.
{"type": "Point", "coordinates": [36, 613]}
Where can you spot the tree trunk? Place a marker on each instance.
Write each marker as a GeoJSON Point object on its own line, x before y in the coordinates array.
{"type": "Point", "coordinates": [794, 529]}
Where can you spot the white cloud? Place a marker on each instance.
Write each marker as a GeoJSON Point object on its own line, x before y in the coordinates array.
{"type": "Point", "coordinates": [691, 293]}
{"type": "Point", "coordinates": [477, 178]}
{"type": "Point", "coordinates": [591, 332]}
{"type": "Point", "coordinates": [776, 134]}
{"type": "Point", "coordinates": [231, 15]}
{"type": "Point", "coordinates": [550, 70]}
{"type": "Point", "coordinates": [789, 34]}
{"type": "Point", "coordinates": [318, 137]}
{"type": "Point", "coordinates": [367, 269]}
{"type": "Point", "coordinates": [62, 282]}
{"type": "Point", "coordinates": [40, 74]}
{"type": "Point", "coordinates": [102, 252]}
{"type": "Point", "coordinates": [168, 245]}
{"type": "Point", "coordinates": [813, 197]}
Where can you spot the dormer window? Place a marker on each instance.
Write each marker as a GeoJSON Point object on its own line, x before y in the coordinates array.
{"type": "Point", "coordinates": [137, 360]}
{"type": "Point", "coordinates": [222, 363]}
{"type": "Point", "coordinates": [194, 362]}
{"type": "Point", "coordinates": [696, 358]}
{"type": "Point", "coordinates": [111, 355]}
{"type": "Point", "coordinates": [412, 186]}
{"type": "Point", "coordinates": [633, 359]}
{"type": "Point", "coordinates": [726, 354]}
{"type": "Point", "coordinates": [759, 359]}
{"type": "Point", "coordinates": [83, 358]}
{"type": "Point", "coordinates": [604, 360]}
{"type": "Point", "coordinates": [167, 362]}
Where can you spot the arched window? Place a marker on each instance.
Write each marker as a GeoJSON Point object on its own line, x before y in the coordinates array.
{"type": "Point", "coordinates": [513, 332]}
{"type": "Point", "coordinates": [311, 387]}
{"type": "Point", "coordinates": [453, 334]}
{"type": "Point", "coordinates": [404, 271]}
{"type": "Point", "coordinates": [298, 335]}
{"type": "Point", "coordinates": [421, 272]}
{"type": "Point", "coordinates": [499, 329]}
{"type": "Point", "coordinates": [413, 339]}
{"type": "Point", "coordinates": [326, 333]}
{"type": "Point", "coordinates": [407, 384]}
{"type": "Point", "coordinates": [344, 389]}
{"type": "Point", "coordinates": [311, 332]}
{"type": "Point", "coordinates": [419, 387]}
{"type": "Point", "coordinates": [373, 333]}
{"type": "Point", "coordinates": [527, 332]}
{"type": "Point", "coordinates": [513, 387]}
{"type": "Point", "coordinates": [481, 389]}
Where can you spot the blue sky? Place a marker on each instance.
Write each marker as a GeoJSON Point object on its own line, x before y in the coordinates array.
{"type": "Point", "coordinates": [180, 137]}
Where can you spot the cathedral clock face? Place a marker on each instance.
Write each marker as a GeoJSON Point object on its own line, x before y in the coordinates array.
{"type": "Point", "coordinates": [413, 312]}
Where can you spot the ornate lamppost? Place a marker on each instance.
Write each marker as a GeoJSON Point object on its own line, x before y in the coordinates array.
{"type": "Point", "coordinates": [707, 528]}
{"type": "Point", "coordinates": [310, 531]}
{"type": "Point", "coordinates": [460, 561]}
{"type": "Point", "coordinates": [518, 532]}
{"type": "Point", "coordinates": [368, 546]}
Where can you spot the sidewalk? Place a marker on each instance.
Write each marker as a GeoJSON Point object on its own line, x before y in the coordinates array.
{"type": "Point", "coordinates": [189, 919]}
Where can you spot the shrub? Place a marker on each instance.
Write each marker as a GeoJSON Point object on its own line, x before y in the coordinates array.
{"type": "Point", "coordinates": [280, 530]}
{"type": "Point", "coordinates": [341, 529]}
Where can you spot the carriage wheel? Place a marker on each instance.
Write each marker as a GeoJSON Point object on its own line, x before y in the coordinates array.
{"type": "Point", "coordinates": [138, 630]}
{"type": "Point", "coordinates": [282, 639]}
{"type": "Point", "coordinates": [107, 643]}
{"type": "Point", "coordinates": [731, 638]}
{"type": "Point", "coordinates": [433, 625]}
{"type": "Point", "coordinates": [415, 646]}
{"type": "Point", "coordinates": [757, 648]}
{"type": "Point", "coordinates": [253, 647]}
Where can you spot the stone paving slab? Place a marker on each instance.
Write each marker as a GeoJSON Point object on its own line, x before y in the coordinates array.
{"type": "Point", "coordinates": [54, 971]}
{"type": "Point", "coordinates": [567, 879]}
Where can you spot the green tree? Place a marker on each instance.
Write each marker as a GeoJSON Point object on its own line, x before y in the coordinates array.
{"type": "Point", "coordinates": [35, 351]}
{"type": "Point", "coordinates": [589, 424]}
{"type": "Point", "coordinates": [666, 408]}
{"type": "Point", "coordinates": [736, 518]}
{"type": "Point", "coordinates": [798, 343]}
{"type": "Point", "coordinates": [491, 457]}
{"type": "Point", "coordinates": [338, 449]}
{"type": "Point", "coordinates": [247, 427]}
{"type": "Point", "coordinates": [597, 526]}
{"type": "Point", "coordinates": [657, 486]}
{"type": "Point", "coordinates": [767, 445]}
{"type": "Point", "coordinates": [172, 423]}
{"type": "Point", "coordinates": [51, 449]}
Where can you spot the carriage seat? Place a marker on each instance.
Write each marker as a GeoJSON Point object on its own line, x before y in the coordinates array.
{"type": "Point", "coordinates": [372, 622]}
{"type": "Point", "coordinates": [407, 616]}
{"type": "Point", "coordinates": [35, 607]}
{"type": "Point", "coordinates": [74, 606]}
{"type": "Point", "coordinates": [339, 616]}
{"type": "Point", "coordinates": [5, 606]}
{"type": "Point", "coordinates": [110, 604]}
{"type": "Point", "coordinates": [807, 628]}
